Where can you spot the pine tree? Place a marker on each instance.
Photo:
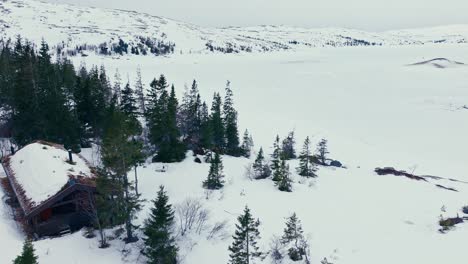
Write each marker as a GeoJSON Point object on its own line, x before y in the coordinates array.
{"type": "Point", "coordinates": [230, 124]}
{"type": "Point", "coordinates": [106, 87]}
{"type": "Point", "coordinates": [276, 159]}
{"type": "Point", "coordinates": [247, 144]}
{"type": "Point", "coordinates": [190, 116]}
{"type": "Point", "coordinates": [306, 167]}
{"type": "Point", "coordinates": [128, 102]}
{"type": "Point", "coordinates": [217, 127]}
{"type": "Point", "coordinates": [244, 249]}
{"type": "Point", "coordinates": [27, 256]}
{"type": "Point", "coordinates": [260, 167]}
{"type": "Point", "coordinates": [322, 151]}
{"type": "Point", "coordinates": [118, 156]}
{"type": "Point", "coordinates": [117, 89]}
{"type": "Point", "coordinates": [215, 179]}
{"type": "Point", "coordinates": [140, 94]}
{"type": "Point", "coordinates": [293, 238]}
{"type": "Point", "coordinates": [171, 149]}
{"type": "Point", "coordinates": [284, 177]}
{"type": "Point", "coordinates": [206, 131]}
{"type": "Point", "coordinates": [288, 152]}
{"type": "Point", "coordinates": [160, 246]}
{"type": "Point", "coordinates": [157, 111]}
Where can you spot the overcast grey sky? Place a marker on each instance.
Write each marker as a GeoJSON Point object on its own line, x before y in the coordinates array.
{"type": "Point", "coordinates": [374, 15]}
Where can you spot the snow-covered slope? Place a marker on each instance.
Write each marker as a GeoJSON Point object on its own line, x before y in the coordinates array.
{"type": "Point", "coordinates": [374, 109]}
{"type": "Point", "coordinates": [73, 26]}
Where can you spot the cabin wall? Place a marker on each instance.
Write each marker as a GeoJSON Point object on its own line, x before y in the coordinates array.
{"type": "Point", "coordinates": [62, 216]}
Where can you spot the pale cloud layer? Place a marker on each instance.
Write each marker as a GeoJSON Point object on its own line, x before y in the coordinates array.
{"type": "Point", "coordinates": [374, 15]}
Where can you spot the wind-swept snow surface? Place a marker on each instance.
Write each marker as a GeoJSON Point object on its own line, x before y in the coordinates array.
{"type": "Point", "coordinates": [374, 110]}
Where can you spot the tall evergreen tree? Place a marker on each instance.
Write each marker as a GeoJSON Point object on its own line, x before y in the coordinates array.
{"type": "Point", "coordinates": [118, 152]}
{"type": "Point", "coordinates": [244, 249]}
{"type": "Point", "coordinates": [217, 127]}
{"type": "Point", "coordinates": [206, 131]}
{"type": "Point", "coordinates": [171, 149]}
{"type": "Point", "coordinates": [128, 104]}
{"type": "Point", "coordinates": [117, 88]}
{"type": "Point", "coordinates": [215, 179]}
{"type": "Point", "coordinates": [230, 124]}
{"type": "Point", "coordinates": [247, 144]}
{"type": "Point", "coordinates": [27, 256]}
{"type": "Point", "coordinates": [306, 167]}
{"type": "Point", "coordinates": [160, 246]}
{"type": "Point", "coordinates": [140, 94]}
{"type": "Point", "coordinates": [276, 159]}
{"type": "Point", "coordinates": [26, 118]}
{"type": "Point", "coordinates": [260, 167]}
{"type": "Point", "coordinates": [288, 152]}
{"type": "Point", "coordinates": [284, 177]}
{"type": "Point", "coordinates": [190, 116]}
{"type": "Point", "coordinates": [322, 151]}
{"type": "Point", "coordinates": [293, 238]}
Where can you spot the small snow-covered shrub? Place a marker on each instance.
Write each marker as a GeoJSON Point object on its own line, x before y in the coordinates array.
{"type": "Point", "coordinates": [276, 250]}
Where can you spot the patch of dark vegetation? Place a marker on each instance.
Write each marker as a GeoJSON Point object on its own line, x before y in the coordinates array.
{"type": "Point", "coordinates": [446, 188]}
{"type": "Point", "coordinates": [448, 223]}
{"type": "Point", "coordinates": [465, 209]}
{"type": "Point", "coordinates": [393, 171]}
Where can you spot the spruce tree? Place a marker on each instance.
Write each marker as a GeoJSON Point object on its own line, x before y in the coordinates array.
{"type": "Point", "coordinates": [322, 151]}
{"type": "Point", "coordinates": [215, 179]}
{"type": "Point", "coordinates": [260, 167]}
{"type": "Point", "coordinates": [247, 144]}
{"type": "Point", "coordinates": [171, 149]}
{"type": "Point", "coordinates": [230, 124]}
{"type": "Point", "coordinates": [293, 238]}
{"type": "Point", "coordinates": [217, 127]}
{"type": "Point", "coordinates": [157, 111]}
{"type": "Point", "coordinates": [190, 116]}
{"type": "Point", "coordinates": [306, 167]}
{"type": "Point", "coordinates": [206, 131]}
{"type": "Point", "coordinates": [288, 152]}
{"type": "Point", "coordinates": [244, 249]}
{"type": "Point", "coordinates": [160, 246]}
{"type": "Point", "coordinates": [128, 102]}
{"type": "Point", "coordinates": [118, 156]}
{"type": "Point", "coordinates": [284, 177]}
{"type": "Point", "coordinates": [140, 94]}
{"type": "Point", "coordinates": [27, 256]}
{"type": "Point", "coordinates": [117, 88]}
{"type": "Point", "coordinates": [276, 159]}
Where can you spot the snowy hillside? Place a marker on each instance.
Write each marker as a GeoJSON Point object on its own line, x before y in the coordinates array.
{"type": "Point", "coordinates": [71, 27]}
{"type": "Point", "coordinates": [374, 109]}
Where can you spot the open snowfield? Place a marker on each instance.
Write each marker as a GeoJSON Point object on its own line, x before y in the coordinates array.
{"type": "Point", "coordinates": [375, 111]}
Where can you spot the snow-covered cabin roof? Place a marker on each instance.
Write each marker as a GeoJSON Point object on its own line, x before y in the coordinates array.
{"type": "Point", "coordinates": [40, 170]}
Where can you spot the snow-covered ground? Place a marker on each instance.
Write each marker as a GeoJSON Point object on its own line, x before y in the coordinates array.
{"type": "Point", "coordinates": [374, 109]}
{"type": "Point", "coordinates": [71, 26]}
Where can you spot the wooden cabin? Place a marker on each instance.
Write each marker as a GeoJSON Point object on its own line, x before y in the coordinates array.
{"type": "Point", "coordinates": [54, 188]}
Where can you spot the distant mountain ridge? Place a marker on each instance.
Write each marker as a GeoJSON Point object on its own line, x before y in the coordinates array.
{"type": "Point", "coordinates": [75, 29]}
